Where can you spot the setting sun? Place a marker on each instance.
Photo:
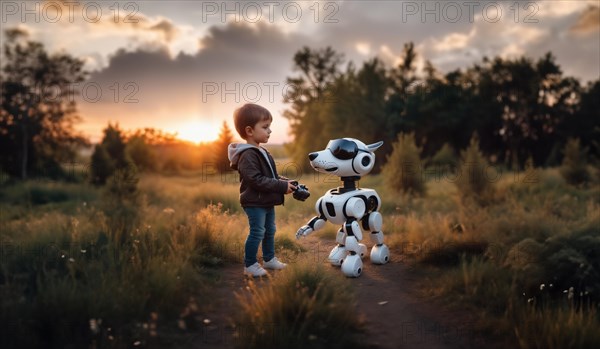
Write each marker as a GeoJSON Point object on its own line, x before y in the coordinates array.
{"type": "Point", "coordinates": [197, 131]}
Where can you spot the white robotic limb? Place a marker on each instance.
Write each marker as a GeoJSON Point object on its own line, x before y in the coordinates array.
{"type": "Point", "coordinates": [352, 264]}
{"type": "Point", "coordinates": [380, 253]}
{"type": "Point", "coordinates": [316, 223]}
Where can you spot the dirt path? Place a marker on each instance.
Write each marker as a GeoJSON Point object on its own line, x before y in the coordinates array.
{"type": "Point", "coordinates": [394, 315]}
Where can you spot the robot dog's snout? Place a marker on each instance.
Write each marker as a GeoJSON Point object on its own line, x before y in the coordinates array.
{"type": "Point", "coordinates": [312, 156]}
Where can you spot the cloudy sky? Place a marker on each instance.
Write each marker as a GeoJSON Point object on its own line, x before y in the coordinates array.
{"type": "Point", "coordinates": [184, 66]}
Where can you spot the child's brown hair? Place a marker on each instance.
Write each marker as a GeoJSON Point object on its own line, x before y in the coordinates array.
{"type": "Point", "coordinates": [249, 115]}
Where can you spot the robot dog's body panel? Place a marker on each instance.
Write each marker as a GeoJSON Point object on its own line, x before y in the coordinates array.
{"type": "Point", "coordinates": [334, 204]}
{"type": "Point", "coordinates": [354, 208]}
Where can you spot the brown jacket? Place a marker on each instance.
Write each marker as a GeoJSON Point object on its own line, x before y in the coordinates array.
{"type": "Point", "coordinates": [260, 185]}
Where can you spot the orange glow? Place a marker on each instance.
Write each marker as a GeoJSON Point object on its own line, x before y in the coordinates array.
{"type": "Point", "coordinates": [197, 131]}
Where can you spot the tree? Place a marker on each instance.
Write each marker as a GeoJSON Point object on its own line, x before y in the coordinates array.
{"type": "Point", "coordinates": [114, 143]}
{"type": "Point", "coordinates": [141, 153]}
{"type": "Point", "coordinates": [38, 110]}
{"type": "Point", "coordinates": [220, 149]}
{"type": "Point", "coordinates": [306, 95]}
{"type": "Point", "coordinates": [101, 166]}
{"type": "Point", "coordinates": [109, 157]}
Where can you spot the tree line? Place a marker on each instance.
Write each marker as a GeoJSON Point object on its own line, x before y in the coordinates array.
{"type": "Point", "coordinates": [519, 108]}
{"type": "Point", "coordinates": [38, 115]}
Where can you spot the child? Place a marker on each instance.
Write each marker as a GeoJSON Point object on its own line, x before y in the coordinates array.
{"type": "Point", "coordinates": [261, 188]}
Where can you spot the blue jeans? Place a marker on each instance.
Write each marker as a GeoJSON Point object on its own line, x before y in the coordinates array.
{"type": "Point", "coordinates": [262, 230]}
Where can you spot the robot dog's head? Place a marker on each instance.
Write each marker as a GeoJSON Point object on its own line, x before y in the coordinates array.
{"type": "Point", "coordinates": [345, 157]}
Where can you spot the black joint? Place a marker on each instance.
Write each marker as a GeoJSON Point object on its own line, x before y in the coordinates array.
{"type": "Point", "coordinates": [348, 226]}
{"type": "Point", "coordinates": [312, 222]}
{"type": "Point", "coordinates": [365, 221]}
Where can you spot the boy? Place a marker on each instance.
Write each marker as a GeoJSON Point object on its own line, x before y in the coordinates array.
{"type": "Point", "coordinates": [261, 188]}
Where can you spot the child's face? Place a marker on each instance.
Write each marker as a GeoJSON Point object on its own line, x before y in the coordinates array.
{"type": "Point", "coordinates": [260, 132]}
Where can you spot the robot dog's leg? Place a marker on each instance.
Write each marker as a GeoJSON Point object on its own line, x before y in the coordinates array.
{"type": "Point", "coordinates": [339, 252]}
{"type": "Point", "coordinates": [352, 264]}
{"type": "Point", "coordinates": [380, 253]}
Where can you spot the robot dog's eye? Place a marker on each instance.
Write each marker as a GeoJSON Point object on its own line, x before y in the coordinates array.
{"type": "Point", "coordinates": [343, 149]}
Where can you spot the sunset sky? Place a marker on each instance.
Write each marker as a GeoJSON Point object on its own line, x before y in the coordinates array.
{"type": "Point", "coordinates": [184, 66]}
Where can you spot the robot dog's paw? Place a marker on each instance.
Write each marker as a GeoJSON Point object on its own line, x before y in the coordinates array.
{"type": "Point", "coordinates": [303, 231]}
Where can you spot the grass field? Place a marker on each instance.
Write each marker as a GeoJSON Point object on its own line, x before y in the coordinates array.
{"type": "Point", "coordinates": [82, 267]}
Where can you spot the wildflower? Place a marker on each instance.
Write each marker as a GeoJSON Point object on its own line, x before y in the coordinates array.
{"type": "Point", "coordinates": [94, 326]}
{"type": "Point", "coordinates": [570, 295]}
{"type": "Point", "coordinates": [542, 287]}
{"type": "Point", "coordinates": [71, 260]}
{"type": "Point", "coordinates": [137, 343]}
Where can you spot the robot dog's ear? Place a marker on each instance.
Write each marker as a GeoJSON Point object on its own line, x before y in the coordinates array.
{"type": "Point", "coordinates": [375, 146]}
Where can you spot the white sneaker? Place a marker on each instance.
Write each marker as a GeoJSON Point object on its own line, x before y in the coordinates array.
{"type": "Point", "coordinates": [255, 270]}
{"type": "Point", "coordinates": [274, 264]}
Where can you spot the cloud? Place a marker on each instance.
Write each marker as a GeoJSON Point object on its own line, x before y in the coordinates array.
{"type": "Point", "coordinates": [508, 38]}
{"type": "Point", "coordinates": [588, 21]}
{"type": "Point", "coordinates": [243, 63]}
{"type": "Point", "coordinates": [167, 28]}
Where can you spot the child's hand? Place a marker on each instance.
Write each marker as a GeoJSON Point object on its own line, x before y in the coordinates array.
{"type": "Point", "coordinates": [291, 187]}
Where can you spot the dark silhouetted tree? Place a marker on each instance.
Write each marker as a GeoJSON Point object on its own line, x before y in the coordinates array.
{"type": "Point", "coordinates": [110, 158]}
{"type": "Point", "coordinates": [38, 109]}
{"type": "Point", "coordinates": [102, 166]}
{"type": "Point", "coordinates": [220, 149]}
{"type": "Point", "coordinates": [140, 149]}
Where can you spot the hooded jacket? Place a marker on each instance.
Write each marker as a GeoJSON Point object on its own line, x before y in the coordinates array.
{"type": "Point", "coordinates": [260, 185]}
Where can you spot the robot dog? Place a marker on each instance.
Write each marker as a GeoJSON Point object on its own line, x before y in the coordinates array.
{"type": "Point", "coordinates": [349, 206]}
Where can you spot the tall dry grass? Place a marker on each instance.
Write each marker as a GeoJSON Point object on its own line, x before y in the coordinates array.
{"type": "Point", "coordinates": [308, 305]}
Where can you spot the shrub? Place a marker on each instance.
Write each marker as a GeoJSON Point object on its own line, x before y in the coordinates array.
{"type": "Point", "coordinates": [472, 181]}
{"type": "Point", "coordinates": [574, 166]}
{"type": "Point", "coordinates": [445, 158]}
{"type": "Point", "coordinates": [402, 171]}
